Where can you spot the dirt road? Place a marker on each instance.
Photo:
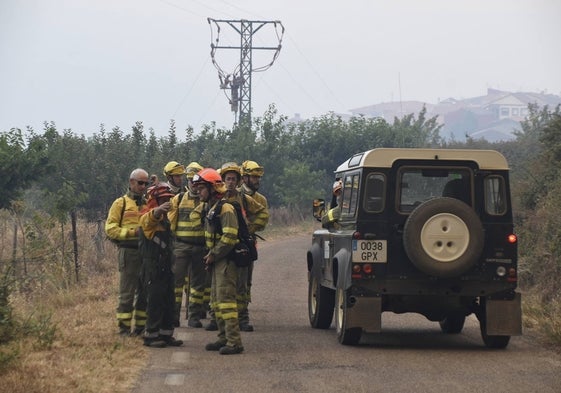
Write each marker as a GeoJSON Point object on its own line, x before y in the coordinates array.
{"type": "Point", "coordinates": [284, 354]}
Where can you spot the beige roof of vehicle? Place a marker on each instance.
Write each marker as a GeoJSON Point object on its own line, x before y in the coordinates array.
{"type": "Point", "coordinates": [385, 157]}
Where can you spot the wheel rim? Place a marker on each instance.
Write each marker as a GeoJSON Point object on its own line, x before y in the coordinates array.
{"type": "Point", "coordinates": [445, 237]}
{"type": "Point", "coordinates": [340, 305]}
{"type": "Point", "coordinates": [313, 296]}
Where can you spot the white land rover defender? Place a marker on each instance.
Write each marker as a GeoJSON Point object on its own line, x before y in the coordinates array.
{"type": "Point", "coordinates": [426, 231]}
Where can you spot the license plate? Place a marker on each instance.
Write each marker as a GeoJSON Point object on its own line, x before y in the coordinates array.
{"type": "Point", "coordinates": [370, 251]}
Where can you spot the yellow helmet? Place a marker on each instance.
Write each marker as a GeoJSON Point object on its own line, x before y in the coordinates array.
{"type": "Point", "coordinates": [230, 167]}
{"type": "Point", "coordinates": [251, 168]}
{"type": "Point", "coordinates": [174, 168]}
{"type": "Point", "coordinates": [192, 168]}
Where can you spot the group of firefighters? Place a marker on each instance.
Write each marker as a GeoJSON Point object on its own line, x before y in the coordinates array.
{"type": "Point", "coordinates": [174, 239]}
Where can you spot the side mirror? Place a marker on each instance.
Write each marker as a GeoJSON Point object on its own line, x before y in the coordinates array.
{"type": "Point", "coordinates": [318, 208]}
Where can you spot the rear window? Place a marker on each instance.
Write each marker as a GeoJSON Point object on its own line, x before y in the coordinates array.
{"type": "Point", "coordinates": [417, 185]}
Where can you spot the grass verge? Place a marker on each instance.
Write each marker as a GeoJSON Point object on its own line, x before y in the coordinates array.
{"type": "Point", "coordinates": [85, 354]}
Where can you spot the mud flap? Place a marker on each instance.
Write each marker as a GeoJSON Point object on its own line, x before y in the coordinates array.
{"type": "Point", "coordinates": [366, 313]}
{"type": "Point", "coordinates": [504, 317]}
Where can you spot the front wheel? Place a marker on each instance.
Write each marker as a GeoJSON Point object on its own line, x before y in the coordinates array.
{"type": "Point", "coordinates": [346, 336]}
{"type": "Point", "coordinates": [321, 301]}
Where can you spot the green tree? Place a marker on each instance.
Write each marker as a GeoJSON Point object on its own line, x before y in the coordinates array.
{"type": "Point", "coordinates": [535, 162]}
{"type": "Point", "coordinates": [416, 132]}
{"type": "Point", "coordinates": [298, 186]}
{"type": "Point", "coordinates": [21, 163]}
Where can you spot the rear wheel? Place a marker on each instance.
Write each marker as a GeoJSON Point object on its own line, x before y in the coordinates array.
{"type": "Point", "coordinates": [452, 324]}
{"type": "Point", "coordinates": [495, 342]}
{"type": "Point", "coordinates": [321, 301]}
{"type": "Point", "coordinates": [346, 336]}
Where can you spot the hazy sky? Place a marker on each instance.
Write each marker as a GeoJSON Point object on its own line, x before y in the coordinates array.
{"type": "Point", "coordinates": [81, 63]}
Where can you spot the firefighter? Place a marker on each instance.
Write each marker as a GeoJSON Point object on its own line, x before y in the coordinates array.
{"type": "Point", "coordinates": [330, 219]}
{"type": "Point", "coordinates": [189, 270]}
{"type": "Point", "coordinates": [122, 227]}
{"type": "Point", "coordinates": [251, 173]}
{"type": "Point", "coordinates": [221, 234]}
{"type": "Point", "coordinates": [174, 172]}
{"type": "Point", "coordinates": [156, 250]}
{"type": "Point", "coordinates": [257, 217]}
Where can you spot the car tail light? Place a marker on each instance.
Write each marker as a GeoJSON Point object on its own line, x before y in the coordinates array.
{"type": "Point", "coordinates": [357, 235]}
{"type": "Point", "coordinates": [512, 277]}
{"type": "Point", "coordinates": [360, 269]}
{"type": "Point", "coordinates": [512, 238]}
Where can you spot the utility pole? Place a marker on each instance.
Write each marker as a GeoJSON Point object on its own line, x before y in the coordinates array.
{"type": "Point", "coordinates": [237, 84]}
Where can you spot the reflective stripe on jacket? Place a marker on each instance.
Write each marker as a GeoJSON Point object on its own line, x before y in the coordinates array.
{"type": "Point", "coordinates": [221, 244]}
{"type": "Point", "coordinates": [259, 220]}
{"type": "Point", "coordinates": [185, 229]}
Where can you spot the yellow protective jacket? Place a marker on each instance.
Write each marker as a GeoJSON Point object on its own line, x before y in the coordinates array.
{"type": "Point", "coordinates": [331, 218]}
{"type": "Point", "coordinates": [256, 214]}
{"type": "Point", "coordinates": [123, 221]}
{"type": "Point", "coordinates": [262, 219]}
{"type": "Point", "coordinates": [150, 224]}
{"type": "Point", "coordinates": [184, 229]}
{"type": "Point", "coordinates": [219, 242]}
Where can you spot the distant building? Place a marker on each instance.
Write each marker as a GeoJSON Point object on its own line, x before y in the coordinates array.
{"type": "Point", "coordinates": [493, 117]}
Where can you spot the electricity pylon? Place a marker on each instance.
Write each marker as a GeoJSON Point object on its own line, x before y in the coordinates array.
{"type": "Point", "coordinates": [238, 82]}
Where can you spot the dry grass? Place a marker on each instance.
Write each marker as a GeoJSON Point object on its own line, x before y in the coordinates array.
{"type": "Point", "coordinates": [542, 320]}
{"type": "Point", "coordinates": [66, 338]}
{"type": "Point", "coordinates": [87, 355]}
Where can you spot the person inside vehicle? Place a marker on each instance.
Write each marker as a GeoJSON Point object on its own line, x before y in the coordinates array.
{"type": "Point", "coordinates": [457, 189]}
{"type": "Point", "coordinates": [330, 219]}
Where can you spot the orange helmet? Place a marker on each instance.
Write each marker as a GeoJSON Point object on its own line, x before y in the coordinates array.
{"type": "Point", "coordinates": [207, 175]}
{"type": "Point", "coordinates": [212, 177]}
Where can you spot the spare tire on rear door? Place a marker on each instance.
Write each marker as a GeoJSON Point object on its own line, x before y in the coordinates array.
{"type": "Point", "coordinates": [443, 237]}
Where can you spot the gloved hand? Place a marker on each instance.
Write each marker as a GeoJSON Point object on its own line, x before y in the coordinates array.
{"type": "Point", "coordinates": [162, 209]}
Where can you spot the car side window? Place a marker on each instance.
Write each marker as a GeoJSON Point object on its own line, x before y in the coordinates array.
{"type": "Point", "coordinates": [374, 196]}
{"type": "Point", "coordinates": [350, 195]}
{"type": "Point", "coordinates": [495, 195]}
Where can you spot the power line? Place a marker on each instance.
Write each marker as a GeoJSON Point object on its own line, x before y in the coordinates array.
{"type": "Point", "coordinates": [238, 82]}
{"type": "Point", "coordinates": [315, 71]}
{"type": "Point", "coordinates": [192, 86]}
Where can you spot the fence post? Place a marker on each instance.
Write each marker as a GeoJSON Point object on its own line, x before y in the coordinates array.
{"type": "Point", "coordinates": [99, 240]}
{"type": "Point", "coordinates": [14, 250]}
{"type": "Point", "coordinates": [75, 242]}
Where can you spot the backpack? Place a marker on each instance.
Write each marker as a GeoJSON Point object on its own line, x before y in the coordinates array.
{"type": "Point", "coordinates": [245, 251]}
